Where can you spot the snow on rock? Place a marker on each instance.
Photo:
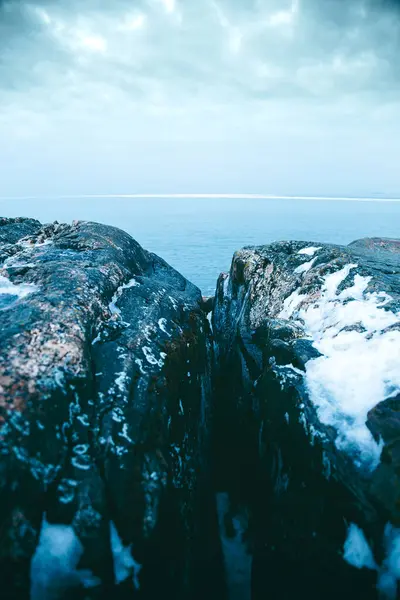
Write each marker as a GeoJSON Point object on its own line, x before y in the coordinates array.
{"type": "Point", "coordinates": [360, 359]}
{"type": "Point", "coordinates": [54, 564]}
{"type": "Point", "coordinates": [389, 574]}
{"type": "Point", "coordinates": [309, 251]}
{"type": "Point", "coordinates": [113, 308]}
{"type": "Point", "coordinates": [357, 551]}
{"type": "Point", "coordinates": [305, 266]}
{"type": "Point", "coordinates": [22, 290]}
{"type": "Point", "coordinates": [124, 564]}
{"type": "Point", "coordinates": [162, 323]}
{"type": "Point", "coordinates": [92, 421]}
{"type": "Point", "coordinates": [308, 368]}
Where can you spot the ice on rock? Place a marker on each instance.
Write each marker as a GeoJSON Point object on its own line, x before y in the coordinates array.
{"type": "Point", "coordinates": [359, 366]}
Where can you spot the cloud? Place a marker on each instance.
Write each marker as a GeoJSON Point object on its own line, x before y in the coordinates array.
{"type": "Point", "coordinates": [191, 70]}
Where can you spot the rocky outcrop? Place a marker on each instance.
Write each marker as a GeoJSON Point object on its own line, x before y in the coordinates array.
{"type": "Point", "coordinates": [105, 360]}
{"type": "Point", "coordinates": [307, 342]}
{"type": "Point", "coordinates": [13, 230]}
{"type": "Point", "coordinates": [109, 432]}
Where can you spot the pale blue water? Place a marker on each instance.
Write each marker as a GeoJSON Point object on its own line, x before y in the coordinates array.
{"type": "Point", "coordinates": [199, 236]}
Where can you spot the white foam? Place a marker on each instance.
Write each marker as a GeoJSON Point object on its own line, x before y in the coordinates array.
{"type": "Point", "coordinates": [54, 564]}
{"type": "Point", "coordinates": [310, 251]}
{"type": "Point", "coordinates": [124, 564]}
{"type": "Point", "coordinates": [356, 549]}
{"type": "Point", "coordinates": [358, 367]}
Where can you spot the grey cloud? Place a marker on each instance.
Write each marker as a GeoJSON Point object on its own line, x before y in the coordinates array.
{"type": "Point", "coordinates": [88, 83]}
{"type": "Point", "coordinates": [352, 44]}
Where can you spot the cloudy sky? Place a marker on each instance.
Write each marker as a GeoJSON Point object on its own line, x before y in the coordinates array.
{"type": "Point", "coordinates": [165, 96]}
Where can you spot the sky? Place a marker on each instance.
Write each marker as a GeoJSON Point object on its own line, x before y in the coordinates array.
{"type": "Point", "coordinates": [199, 96]}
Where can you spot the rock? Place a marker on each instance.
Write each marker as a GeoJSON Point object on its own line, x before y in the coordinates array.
{"type": "Point", "coordinates": [207, 304]}
{"type": "Point", "coordinates": [377, 244]}
{"type": "Point", "coordinates": [307, 343]}
{"type": "Point", "coordinates": [12, 230]}
{"type": "Point", "coordinates": [105, 364]}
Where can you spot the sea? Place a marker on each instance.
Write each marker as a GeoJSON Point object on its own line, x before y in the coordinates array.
{"type": "Point", "coordinates": [198, 236]}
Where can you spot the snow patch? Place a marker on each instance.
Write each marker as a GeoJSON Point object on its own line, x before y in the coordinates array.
{"type": "Point", "coordinates": [310, 251]}
{"type": "Point", "coordinates": [359, 363]}
{"type": "Point", "coordinates": [356, 549]}
{"type": "Point", "coordinates": [124, 564]}
{"type": "Point", "coordinates": [121, 380]}
{"type": "Point", "coordinates": [390, 571]}
{"type": "Point", "coordinates": [113, 308]}
{"type": "Point", "coordinates": [305, 266]}
{"type": "Point", "coordinates": [124, 433]}
{"type": "Point", "coordinates": [97, 339]}
{"type": "Point", "coordinates": [226, 285]}
{"type": "Point", "coordinates": [162, 323]}
{"type": "Point", "coordinates": [54, 564]}
{"type": "Point", "coordinates": [358, 553]}
{"type": "Point", "coordinates": [151, 358]}
{"type": "Point", "coordinates": [139, 362]}
{"type": "Point", "coordinates": [7, 288]}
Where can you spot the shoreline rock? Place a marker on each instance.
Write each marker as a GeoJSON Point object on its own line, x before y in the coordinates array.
{"type": "Point", "coordinates": [296, 326]}
{"type": "Point", "coordinates": [157, 442]}
{"type": "Point", "coordinates": [105, 403]}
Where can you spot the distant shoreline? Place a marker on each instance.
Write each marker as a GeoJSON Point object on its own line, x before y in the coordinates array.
{"type": "Point", "coordinates": [202, 196]}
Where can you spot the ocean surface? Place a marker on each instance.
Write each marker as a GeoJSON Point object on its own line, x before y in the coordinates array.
{"type": "Point", "coordinates": [198, 236]}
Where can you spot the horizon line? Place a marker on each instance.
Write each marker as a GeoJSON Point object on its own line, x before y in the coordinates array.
{"type": "Point", "coordinates": [206, 196]}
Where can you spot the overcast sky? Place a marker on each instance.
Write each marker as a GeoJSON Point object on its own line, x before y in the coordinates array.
{"type": "Point", "coordinates": [165, 96]}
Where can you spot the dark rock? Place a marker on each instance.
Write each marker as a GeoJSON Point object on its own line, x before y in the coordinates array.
{"type": "Point", "coordinates": [105, 359]}
{"type": "Point", "coordinates": [303, 351]}
{"type": "Point", "coordinates": [377, 244]}
{"type": "Point", "coordinates": [276, 455]}
{"type": "Point", "coordinates": [207, 304]}
{"type": "Point", "coordinates": [13, 230]}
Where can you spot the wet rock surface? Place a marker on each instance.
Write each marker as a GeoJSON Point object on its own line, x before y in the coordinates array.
{"type": "Point", "coordinates": [305, 336]}
{"type": "Point", "coordinates": [105, 403]}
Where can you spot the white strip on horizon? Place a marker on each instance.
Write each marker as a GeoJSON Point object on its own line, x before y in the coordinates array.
{"type": "Point", "coordinates": [203, 196]}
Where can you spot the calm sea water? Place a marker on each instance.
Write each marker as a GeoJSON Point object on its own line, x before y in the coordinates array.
{"type": "Point", "coordinates": [199, 236]}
